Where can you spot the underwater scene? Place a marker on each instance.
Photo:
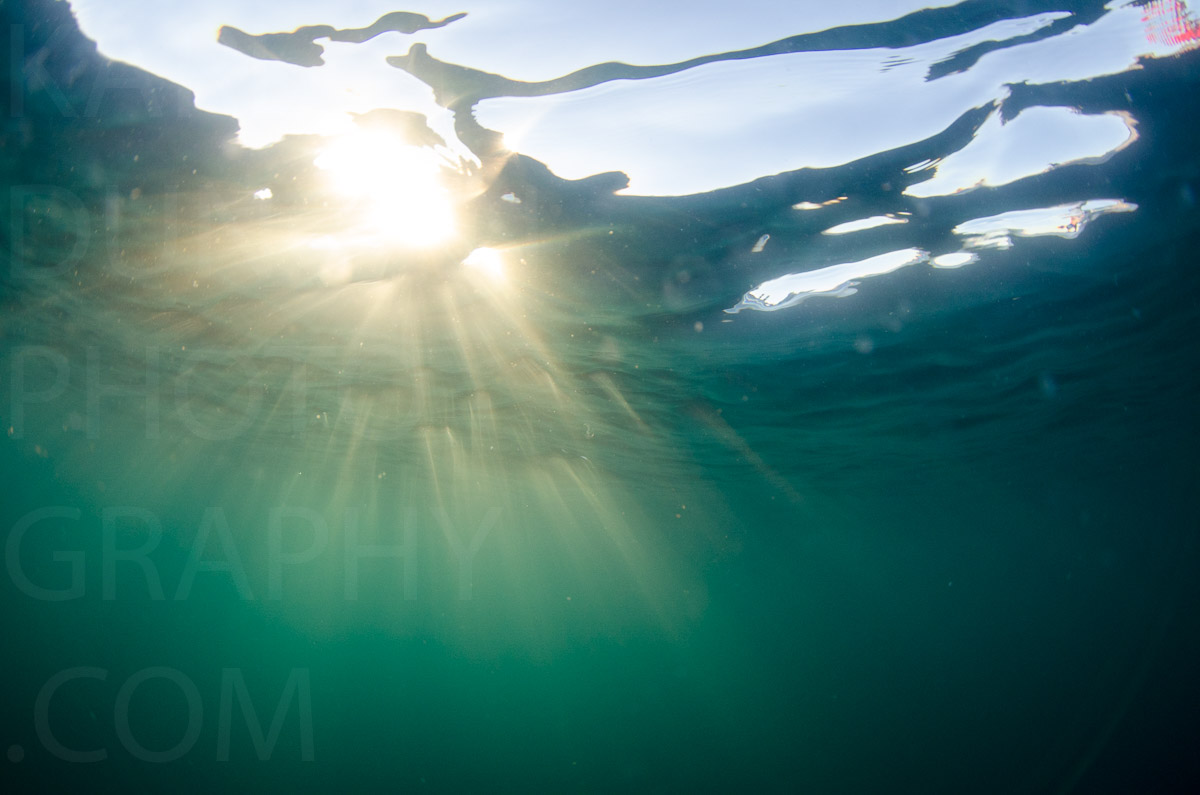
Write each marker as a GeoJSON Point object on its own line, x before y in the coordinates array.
{"type": "Point", "coordinates": [516, 396]}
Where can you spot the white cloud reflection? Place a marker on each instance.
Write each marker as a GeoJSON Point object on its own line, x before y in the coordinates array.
{"type": "Point", "coordinates": [1036, 141]}
{"type": "Point", "coordinates": [992, 232]}
{"type": "Point", "coordinates": [863, 224]}
{"type": "Point", "coordinates": [835, 281]}
{"type": "Point", "coordinates": [1065, 220]}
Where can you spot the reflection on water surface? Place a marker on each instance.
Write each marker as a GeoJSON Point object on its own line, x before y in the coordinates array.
{"type": "Point", "coordinates": [412, 344]}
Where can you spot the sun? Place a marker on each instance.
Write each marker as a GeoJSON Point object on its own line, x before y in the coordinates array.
{"type": "Point", "coordinates": [396, 190]}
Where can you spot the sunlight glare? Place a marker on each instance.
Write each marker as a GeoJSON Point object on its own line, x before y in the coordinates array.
{"type": "Point", "coordinates": [486, 261]}
{"type": "Point", "coordinates": [398, 186]}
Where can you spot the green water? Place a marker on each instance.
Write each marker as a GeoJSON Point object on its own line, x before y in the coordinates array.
{"type": "Point", "coordinates": [281, 517]}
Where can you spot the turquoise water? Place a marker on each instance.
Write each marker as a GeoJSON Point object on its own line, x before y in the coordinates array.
{"type": "Point", "coordinates": [659, 488]}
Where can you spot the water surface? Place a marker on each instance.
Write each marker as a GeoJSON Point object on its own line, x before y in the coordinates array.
{"type": "Point", "coordinates": [472, 399]}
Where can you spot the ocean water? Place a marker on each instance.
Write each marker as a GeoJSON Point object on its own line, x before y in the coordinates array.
{"type": "Point", "coordinates": [702, 398]}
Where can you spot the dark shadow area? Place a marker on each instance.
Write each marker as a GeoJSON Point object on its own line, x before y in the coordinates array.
{"type": "Point", "coordinates": [459, 87]}
{"type": "Point", "coordinates": [300, 48]}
